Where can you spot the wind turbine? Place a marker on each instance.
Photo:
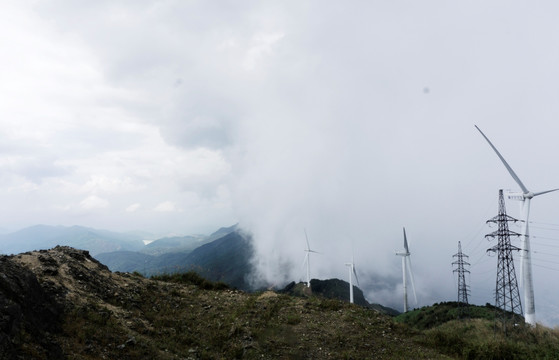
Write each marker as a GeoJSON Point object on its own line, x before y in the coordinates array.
{"type": "Point", "coordinates": [406, 267]}
{"type": "Point", "coordinates": [307, 259]}
{"type": "Point", "coordinates": [352, 273]}
{"type": "Point", "coordinates": [526, 257]}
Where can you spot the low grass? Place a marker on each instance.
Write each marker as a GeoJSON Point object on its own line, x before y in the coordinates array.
{"type": "Point", "coordinates": [183, 316]}
{"type": "Point", "coordinates": [191, 278]}
{"type": "Point", "coordinates": [430, 316]}
{"type": "Point", "coordinates": [177, 319]}
{"type": "Point", "coordinates": [478, 332]}
{"type": "Point", "coordinates": [481, 339]}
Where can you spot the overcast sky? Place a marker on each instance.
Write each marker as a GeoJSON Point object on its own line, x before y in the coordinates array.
{"type": "Point", "coordinates": [348, 119]}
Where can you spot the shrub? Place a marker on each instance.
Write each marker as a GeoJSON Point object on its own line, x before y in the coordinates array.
{"type": "Point", "coordinates": [192, 278]}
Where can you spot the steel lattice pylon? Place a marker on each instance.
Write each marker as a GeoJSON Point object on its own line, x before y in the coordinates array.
{"type": "Point", "coordinates": [507, 296]}
{"type": "Point", "coordinates": [463, 289]}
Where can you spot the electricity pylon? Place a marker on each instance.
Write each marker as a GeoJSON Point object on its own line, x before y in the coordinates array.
{"type": "Point", "coordinates": [463, 288]}
{"type": "Point", "coordinates": [507, 296]}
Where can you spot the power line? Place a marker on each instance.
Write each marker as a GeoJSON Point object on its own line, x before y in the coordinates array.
{"type": "Point", "coordinates": [543, 253]}
{"type": "Point", "coordinates": [543, 223]}
{"type": "Point", "coordinates": [544, 244]}
{"type": "Point", "coordinates": [543, 228]}
{"type": "Point", "coordinates": [478, 231]}
{"type": "Point", "coordinates": [545, 267]}
{"type": "Point", "coordinates": [482, 257]}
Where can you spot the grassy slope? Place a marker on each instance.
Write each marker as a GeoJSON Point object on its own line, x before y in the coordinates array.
{"type": "Point", "coordinates": [479, 333]}
{"type": "Point", "coordinates": [182, 316]}
{"type": "Point", "coordinates": [174, 319]}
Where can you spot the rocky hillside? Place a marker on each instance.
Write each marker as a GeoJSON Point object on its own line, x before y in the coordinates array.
{"type": "Point", "coordinates": [63, 304]}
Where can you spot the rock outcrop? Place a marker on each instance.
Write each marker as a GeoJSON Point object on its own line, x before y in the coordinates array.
{"type": "Point", "coordinates": [38, 289]}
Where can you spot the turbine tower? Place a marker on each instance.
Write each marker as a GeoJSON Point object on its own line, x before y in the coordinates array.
{"type": "Point", "coordinates": [352, 273]}
{"type": "Point", "coordinates": [525, 254]}
{"type": "Point", "coordinates": [406, 268]}
{"type": "Point", "coordinates": [307, 259]}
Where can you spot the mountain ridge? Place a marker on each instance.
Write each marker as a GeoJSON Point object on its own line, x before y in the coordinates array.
{"type": "Point", "coordinates": [62, 303]}
{"type": "Point", "coordinates": [65, 304]}
{"type": "Point", "coordinates": [45, 236]}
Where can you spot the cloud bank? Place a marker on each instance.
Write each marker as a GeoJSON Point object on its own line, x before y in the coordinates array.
{"type": "Point", "coordinates": [186, 116]}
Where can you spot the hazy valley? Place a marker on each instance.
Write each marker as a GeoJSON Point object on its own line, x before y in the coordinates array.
{"type": "Point", "coordinates": [62, 303]}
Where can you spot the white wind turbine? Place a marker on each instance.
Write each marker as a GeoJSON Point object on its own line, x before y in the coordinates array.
{"type": "Point", "coordinates": [307, 259]}
{"type": "Point", "coordinates": [406, 268]}
{"type": "Point", "coordinates": [352, 273]}
{"type": "Point", "coordinates": [525, 259]}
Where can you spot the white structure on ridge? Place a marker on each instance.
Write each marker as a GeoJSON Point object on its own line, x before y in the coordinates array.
{"type": "Point", "coordinates": [406, 268]}
{"type": "Point", "coordinates": [352, 273]}
{"type": "Point", "coordinates": [525, 254]}
{"type": "Point", "coordinates": [307, 260]}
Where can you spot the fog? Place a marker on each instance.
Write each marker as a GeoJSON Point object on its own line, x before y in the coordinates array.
{"type": "Point", "coordinates": [348, 120]}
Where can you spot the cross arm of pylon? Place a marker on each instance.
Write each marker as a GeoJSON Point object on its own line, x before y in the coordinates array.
{"type": "Point", "coordinates": [498, 233]}
{"type": "Point", "coordinates": [502, 217]}
{"type": "Point", "coordinates": [459, 270]}
{"type": "Point", "coordinates": [493, 249]}
{"type": "Point", "coordinates": [501, 247]}
{"type": "Point", "coordinates": [458, 262]}
{"type": "Point", "coordinates": [512, 247]}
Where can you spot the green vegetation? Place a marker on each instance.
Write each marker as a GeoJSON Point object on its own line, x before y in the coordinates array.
{"type": "Point", "coordinates": [478, 332]}
{"type": "Point", "coordinates": [186, 316]}
{"type": "Point", "coordinates": [481, 339]}
{"type": "Point", "coordinates": [191, 278]}
{"type": "Point", "coordinates": [99, 314]}
{"type": "Point", "coordinates": [183, 316]}
{"type": "Point", "coordinates": [430, 316]}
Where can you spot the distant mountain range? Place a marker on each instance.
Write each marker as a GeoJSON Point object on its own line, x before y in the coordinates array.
{"type": "Point", "coordinates": [224, 256]}
{"type": "Point", "coordinates": [45, 237]}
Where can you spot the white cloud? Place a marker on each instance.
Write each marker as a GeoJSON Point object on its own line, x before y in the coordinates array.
{"type": "Point", "coordinates": [132, 208]}
{"type": "Point", "coordinates": [100, 183]}
{"type": "Point", "coordinates": [94, 202]}
{"type": "Point", "coordinates": [167, 206]}
{"type": "Point", "coordinates": [261, 46]}
{"type": "Point", "coordinates": [288, 116]}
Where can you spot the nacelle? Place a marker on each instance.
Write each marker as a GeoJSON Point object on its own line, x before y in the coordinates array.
{"type": "Point", "coordinates": [516, 196]}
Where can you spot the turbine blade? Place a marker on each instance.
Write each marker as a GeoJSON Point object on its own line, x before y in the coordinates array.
{"type": "Point", "coordinates": [544, 192]}
{"type": "Point", "coordinates": [511, 171]}
{"type": "Point", "coordinates": [307, 238]}
{"type": "Point", "coordinates": [411, 279]}
{"type": "Point", "coordinates": [406, 242]}
{"type": "Point", "coordinates": [356, 279]}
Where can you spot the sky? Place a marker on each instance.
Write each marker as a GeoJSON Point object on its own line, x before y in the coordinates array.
{"type": "Point", "coordinates": [349, 120]}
